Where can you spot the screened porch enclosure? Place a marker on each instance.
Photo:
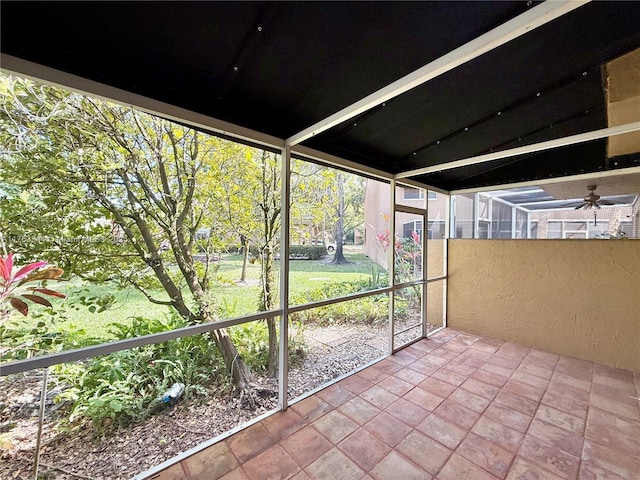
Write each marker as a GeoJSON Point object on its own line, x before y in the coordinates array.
{"type": "Point", "coordinates": [487, 155]}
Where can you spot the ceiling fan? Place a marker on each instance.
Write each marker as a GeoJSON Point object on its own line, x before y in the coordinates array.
{"type": "Point", "coordinates": [592, 200]}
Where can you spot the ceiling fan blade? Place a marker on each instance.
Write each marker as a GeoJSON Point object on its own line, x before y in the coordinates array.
{"type": "Point", "coordinates": [606, 202]}
{"type": "Point", "coordinates": [570, 205]}
{"type": "Point", "coordinates": [582, 205]}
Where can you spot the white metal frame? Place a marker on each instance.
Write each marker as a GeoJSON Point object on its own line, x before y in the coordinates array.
{"type": "Point", "coordinates": [536, 147]}
{"type": "Point", "coordinates": [476, 220]}
{"type": "Point", "coordinates": [425, 279]}
{"type": "Point", "coordinates": [391, 265]}
{"type": "Point", "coordinates": [534, 18]}
{"type": "Point", "coordinates": [283, 350]}
{"type": "Point", "coordinates": [548, 181]}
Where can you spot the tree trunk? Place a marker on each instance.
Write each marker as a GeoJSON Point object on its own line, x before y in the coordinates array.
{"type": "Point", "coordinates": [240, 373]}
{"type": "Point", "coordinates": [338, 257]}
{"type": "Point", "coordinates": [245, 257]}
{"type": "Point", "coordinates": [267, 301]}
{"type": "Point", "coordinates": [272, 365]}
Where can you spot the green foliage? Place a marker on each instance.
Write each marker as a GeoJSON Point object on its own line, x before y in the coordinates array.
{"type": "Point", "coordinates": [368, 310]}
{"type": "Point", "coordinates": [407, 253]}
{"type": "Point", "coordinates": [307, 252]}
{"type": "Point", "coordinates": [20, 340]}
{"type": "Point", "coordinates": [94, 303]}
{"type": "Point", "coordinates": [124, 387]}
{"type": "Point", "coordinates": [43, 332]}
{"type": "Point", "coordinates": [408, 258]}
{"type": "Point", "coordinates": [378, 279]}
{"type": "Point", "coordinates": [252, 341]}
{"type": "Point", "coordinates": [407, 302]}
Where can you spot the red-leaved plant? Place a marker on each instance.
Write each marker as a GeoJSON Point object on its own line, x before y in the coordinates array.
{"type": "Point", "coordinates": [11, 284]}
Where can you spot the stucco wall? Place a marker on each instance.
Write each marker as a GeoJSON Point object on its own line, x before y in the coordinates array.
{"type": "Point", "coordinates": [623, 101]}
{"type": "Point", "coordinates": [575, 297]}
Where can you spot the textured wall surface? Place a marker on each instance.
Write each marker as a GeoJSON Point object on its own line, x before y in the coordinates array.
{"type": "Point", "coordinates": [575, 297]}
{"type": "Point", "coordinates": [623, 101]}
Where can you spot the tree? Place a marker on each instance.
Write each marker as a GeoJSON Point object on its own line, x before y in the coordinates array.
{"type": "Point", "coordinates": [312, 201]}
{"type": "Point", "coordinates": [325, 199]}
{"type": "Point", "coordinates": [339, 258]}
{"type": "Point", "coordinates": [246, 190]}
{"type": "Point", "coordinates": [117, 193]}
{"type": "Point", "coordinates": [354, 194]}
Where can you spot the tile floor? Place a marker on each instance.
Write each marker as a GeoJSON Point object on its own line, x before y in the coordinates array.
{"type": "Point", "coordinates": [451, 407]}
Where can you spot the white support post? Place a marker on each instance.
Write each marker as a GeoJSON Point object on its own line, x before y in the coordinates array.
{"type": "Point", "coordinates": [445, 259]}
{"type": "Point", "coordinates": [425, 263]}
{"type": "Point", "coordinates": [445, 300]}
{"type": "Point", "coordinates": [490, 214]}
{"type": "Point", "coordinates": [283, 353]}
{"type": "Point", "coordinates": [391, 257]}
{"type": "Point", "coordinates": [43, 401]}
{"type": "Point", "coordinates": [476, 216]}
{"type": "Point", "coordinates": [452, 218]}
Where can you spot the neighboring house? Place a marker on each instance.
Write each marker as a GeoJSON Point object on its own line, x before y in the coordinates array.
{"type": "Point", "coordinates": [376, 216]}
{"type": "Point", "coordinates": [498, 214]}
{"type": "Point", "coordinates": [503, 214]}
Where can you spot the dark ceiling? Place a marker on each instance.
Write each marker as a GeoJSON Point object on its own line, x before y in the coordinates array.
{"type": "Point", "coordinates": [278, 68]}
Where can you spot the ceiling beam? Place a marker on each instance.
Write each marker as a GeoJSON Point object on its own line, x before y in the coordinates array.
{"type": "Point", "coordinates": [514, 152]}
{"type": "Point", "coordinates": [528, 21]}
{"type": "Point", "coordinates": [549, 181]}
{"type": "Point", "coordinates": [576, 199]}
{"type": "Point", "coordinates": [307, 153]}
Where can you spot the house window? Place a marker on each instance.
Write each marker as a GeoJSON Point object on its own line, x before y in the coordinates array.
{"type": "Point", "coordinates": [409, 227]}
{"type": "Point", "coordinates": [436, 230]}
{"type": "Point", "coordinates": [432, 195]}
{"type": "Point", "coordinates": [413, 193]}
{"type": "Point", "coordinates": [501, 226]}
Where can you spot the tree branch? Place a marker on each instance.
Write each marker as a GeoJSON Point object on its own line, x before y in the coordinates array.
{"type": "Point", "coordinates": [148, 295]}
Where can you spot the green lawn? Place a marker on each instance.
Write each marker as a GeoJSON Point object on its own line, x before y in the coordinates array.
{"type": "Point", "coordinates": [305, 274]}
{"type": "Point", "coordinates": [128, 304]}
{"type": "Point", "coordinates": [235, 299]}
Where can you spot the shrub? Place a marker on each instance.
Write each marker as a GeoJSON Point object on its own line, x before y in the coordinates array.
{"type": "Point", "coordinates": [298, 252]}
{"type": "Point", "coordinates": [368, 310]}
{"type": "Point", "coordinates": [124, 387]}
{"type": "Point", "coordinates": [252, 341]}
{"type": "Point", "coordinates": [307, 252]}
{"type": "Point", "coordinates": [25, 339]}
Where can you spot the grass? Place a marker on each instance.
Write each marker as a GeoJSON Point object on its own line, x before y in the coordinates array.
{"type": "Point", "coordinates": [233, 298]}
{"type": "Point", "coordinates": [128, 303]}
{"type": "Point", "coordinates": [306, 274]}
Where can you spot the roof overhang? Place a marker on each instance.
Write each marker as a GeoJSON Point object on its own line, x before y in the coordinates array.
{"type": "Point", "coordinates": [390, 87]}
